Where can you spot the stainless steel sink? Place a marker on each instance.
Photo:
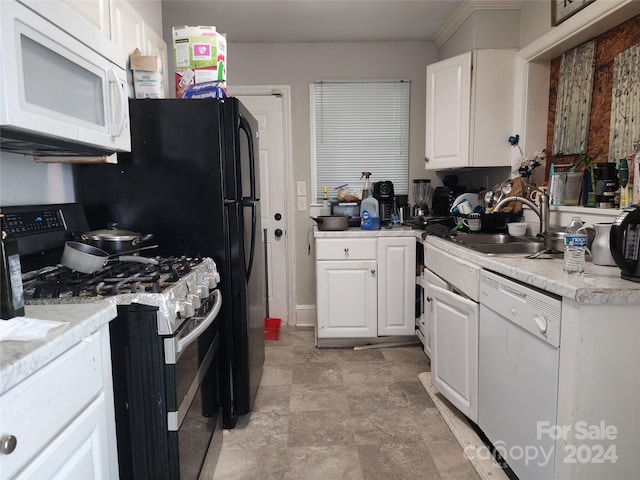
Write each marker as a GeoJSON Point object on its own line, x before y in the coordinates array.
{"type": "Point", "coordinates": [483, 238]}
{"type": "Point", "coordinates": [512, 248]}
{"type": "Point", "coordinates": [500, 244]}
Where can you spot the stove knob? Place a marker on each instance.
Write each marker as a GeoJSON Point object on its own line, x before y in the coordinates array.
{"type": "Point", "coordinates": [194, 300]}
{"type": "Point", "coordinates": [212, 279]}
{"type": "Point", "coordinates": [186, 309]}
{"type": "Point", "coordinates": [202, 291]}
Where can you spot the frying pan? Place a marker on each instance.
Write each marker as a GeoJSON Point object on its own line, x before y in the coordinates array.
{"type": "Point", "coordinates": [88, 259]}
{"type": "Point", "coordinates": [332, 222]}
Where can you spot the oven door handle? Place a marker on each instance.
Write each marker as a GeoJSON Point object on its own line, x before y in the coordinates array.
{"type": "Point", "coordinates": [180, 344]}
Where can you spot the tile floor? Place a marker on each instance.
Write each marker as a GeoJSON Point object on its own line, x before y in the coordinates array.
{"type": "Point", "coordinates": [341, 414]}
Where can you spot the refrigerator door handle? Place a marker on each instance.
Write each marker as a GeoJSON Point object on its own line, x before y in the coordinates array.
{"type": "Point", "coordinates": [244, 125]}
{"type": "Point", "coordinates": [249, 267]}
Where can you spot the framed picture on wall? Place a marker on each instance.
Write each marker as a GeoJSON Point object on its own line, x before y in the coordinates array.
{"type": "Point", "coordinates": [563, 9]}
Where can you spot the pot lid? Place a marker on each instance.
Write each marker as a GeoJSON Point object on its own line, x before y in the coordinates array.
{"type": "Point", "coordinates": [111, 235]}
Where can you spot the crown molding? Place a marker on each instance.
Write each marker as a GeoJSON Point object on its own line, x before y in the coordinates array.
{"type": "Point", "coordinates": [466, 10]}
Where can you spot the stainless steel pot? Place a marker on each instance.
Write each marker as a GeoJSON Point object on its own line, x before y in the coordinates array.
{"type": "Point", "coordinates": [114, 240]}
{"type": "Point", "coordinates": [332, 222]}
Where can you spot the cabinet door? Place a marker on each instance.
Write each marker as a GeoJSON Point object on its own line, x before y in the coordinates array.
{"type": "Point", "coordinates": [80, 451]}
{"type": "Point", "coordinates": [96, 12]}
{"type": "Point", "coordinates": [448, 113]}
{"type": "Point", "coordinates": [454, 349]}
{"type": "Point", "coordinates": [346, 299]}
{"type": "Point", "coordinates": [127, 27]}
{"type": "Point", "coordinates": [396, 285]}
{"type": "Point", "coordinates": [430, 278]}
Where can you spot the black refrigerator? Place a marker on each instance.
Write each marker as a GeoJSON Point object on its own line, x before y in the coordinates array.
{"type": "Point", "coordinates": [192, 179]}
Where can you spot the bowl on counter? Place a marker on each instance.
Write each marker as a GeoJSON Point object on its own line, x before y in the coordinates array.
{"type": "Point", "coordinates": [517, 229]}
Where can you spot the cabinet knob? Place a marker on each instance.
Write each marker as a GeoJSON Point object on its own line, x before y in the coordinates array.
{"type": "Point", "coordinates": [346, 250]}
{"type": "Point", "coordinates": [426, 159]}
{"type": "Point", "coordinates": [428, 299]}
{"type": "Point", "coordinates": [373, 271]}
{"type": "Point", "coordinates": [8, 444]}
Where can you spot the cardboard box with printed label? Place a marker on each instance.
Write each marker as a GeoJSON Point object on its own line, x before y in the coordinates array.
{"type": "Point", "coordinates": [200, 55]}
{"type": "Point", "coordinates": [148, 78]}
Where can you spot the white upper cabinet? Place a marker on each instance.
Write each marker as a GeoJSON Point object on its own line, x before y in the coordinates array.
{"type": "Point", "coordinates": [469, 110]}
{"type": "Point", "coordinates": [127, 27]}
{"type": "Point", "coordinates": [96, 12]}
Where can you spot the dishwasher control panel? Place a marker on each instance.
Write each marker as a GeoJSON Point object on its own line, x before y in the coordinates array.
{"type": "Point", "coordinates": [533, 310]}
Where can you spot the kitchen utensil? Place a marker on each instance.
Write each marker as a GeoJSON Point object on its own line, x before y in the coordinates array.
{"type": "Point", "coordinates": [86, 258]}
{"type": "Point", "coordinates": [472, 198]}
{"type": "Point", "coordinates": [473, 222]}
{"type": "Point", "coordinates": [114, 240]}
{"type": "Point", "coordinates": [601, 249]}
{"type": "Point", "coordinates": [332, 222]}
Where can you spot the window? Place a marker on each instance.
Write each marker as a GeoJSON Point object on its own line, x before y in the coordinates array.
{"type": "Point", "coordinates": [357, 127]}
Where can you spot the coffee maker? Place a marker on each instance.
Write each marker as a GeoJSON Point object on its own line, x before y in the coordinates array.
{"type": "Point", "coordinates": [383, 192]}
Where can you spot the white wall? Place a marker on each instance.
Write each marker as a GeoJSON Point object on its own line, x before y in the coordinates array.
{"type": "Point", "coordinates": [299, 65]}
{"type": "Point", "coordinates": [25, 182]}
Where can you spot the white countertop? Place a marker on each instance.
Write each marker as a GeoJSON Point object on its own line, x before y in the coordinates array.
{"type": "Point", "coordinates": [18, 360]}
{"type": "Point", "coordinates": [358, 232]}
{"type": "Point", "coordinates": [598, 285]}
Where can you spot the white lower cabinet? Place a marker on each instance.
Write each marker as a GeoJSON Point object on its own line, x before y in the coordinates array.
{"type": "Point", "coordinates": [62, 417]}
{"type": "Point", "coordinates": [365, 287]}
{"type": "Point", "coordinates": [454, 360]}
{"type": "Point", "coordinates": [428, 279]}
{"type": "Point", "coordinates": [347, 299]}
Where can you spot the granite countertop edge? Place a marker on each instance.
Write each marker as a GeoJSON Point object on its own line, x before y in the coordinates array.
{"type": "Point", "coordinates": [19, 360]}
{"type": "Point", "coordinates": [598, 285]}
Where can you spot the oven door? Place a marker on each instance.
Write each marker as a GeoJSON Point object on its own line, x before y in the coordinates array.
{"type": "Point", "coordinates": [193, 407]}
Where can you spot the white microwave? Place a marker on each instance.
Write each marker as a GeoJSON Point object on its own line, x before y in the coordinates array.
{"type": "Point", "coordinates": [63, 86]}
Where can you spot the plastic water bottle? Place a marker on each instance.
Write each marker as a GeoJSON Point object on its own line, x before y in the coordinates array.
{"type": "Point", "coordinates": [575, 245]}
{"type": "Point", "coordinates": [369, 214]}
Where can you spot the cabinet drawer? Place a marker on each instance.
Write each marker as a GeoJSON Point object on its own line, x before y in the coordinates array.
{"type": "Point", "coordinates": [346, 249]}
{"type": "Point", "coordinates": [38, 409]}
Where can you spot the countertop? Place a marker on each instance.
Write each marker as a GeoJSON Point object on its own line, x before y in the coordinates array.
{"type": "Point", "coordinates": [598, 285]}
{"type": "Point", "coordinates": [358, 232]}
{"type": "Point", "coordinates": [18, 360]}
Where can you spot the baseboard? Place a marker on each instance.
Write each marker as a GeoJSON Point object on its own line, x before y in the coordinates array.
{"type": "Point", "coordinates": [305, 316]}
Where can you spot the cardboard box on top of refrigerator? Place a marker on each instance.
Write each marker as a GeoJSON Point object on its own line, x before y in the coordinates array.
{"type": "Point", "coordinates": [148, 78]}
{"type": "Point", "coordinates": [200, 55]}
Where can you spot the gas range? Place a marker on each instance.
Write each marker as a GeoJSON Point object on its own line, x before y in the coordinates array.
{"type": "Point", "coordinates": [176, 285]}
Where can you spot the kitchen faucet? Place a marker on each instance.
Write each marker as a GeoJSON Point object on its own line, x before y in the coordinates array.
{"type": "Point", "coordinates": [542, 211]}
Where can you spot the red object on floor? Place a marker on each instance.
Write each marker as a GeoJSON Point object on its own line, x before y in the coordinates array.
{"type": "Point", "coordinates": [272, 328]}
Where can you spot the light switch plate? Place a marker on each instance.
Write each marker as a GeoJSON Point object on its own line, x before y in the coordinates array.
{"type": "Point", "coordinates": [302, 204]}
{"type": "Point", "coordinates": [301, 188]}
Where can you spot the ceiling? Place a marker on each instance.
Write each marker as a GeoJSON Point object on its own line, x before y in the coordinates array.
{"type": "Point", "coordinates": [270, 21]}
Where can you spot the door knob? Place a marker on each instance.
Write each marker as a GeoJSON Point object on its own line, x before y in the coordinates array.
{"type": "Point", "coordinates": [278, 233]}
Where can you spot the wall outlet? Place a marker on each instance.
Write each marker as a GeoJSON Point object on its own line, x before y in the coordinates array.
{"type": "Point", "coordinates": [301, 189]}
{"type": "Point", "coordinates": [302, 204]}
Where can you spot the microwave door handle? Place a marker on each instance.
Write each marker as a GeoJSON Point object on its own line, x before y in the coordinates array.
{"type": "Point", "coordinates": [119, 125]}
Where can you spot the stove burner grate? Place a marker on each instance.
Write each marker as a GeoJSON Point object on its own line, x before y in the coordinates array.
{"type": "Point", "coordinates": [115, 278]}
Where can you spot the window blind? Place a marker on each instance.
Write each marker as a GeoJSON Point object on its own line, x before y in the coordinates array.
{"type": "Point", "coordinates": [357, 127]}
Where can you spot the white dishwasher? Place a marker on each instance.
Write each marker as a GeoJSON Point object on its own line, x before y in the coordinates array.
{"type": "Point", "coordinates": [519, 338]}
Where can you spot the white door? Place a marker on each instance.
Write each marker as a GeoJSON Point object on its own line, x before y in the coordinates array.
{"type": "Point", "coordinates": [268, 111]}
